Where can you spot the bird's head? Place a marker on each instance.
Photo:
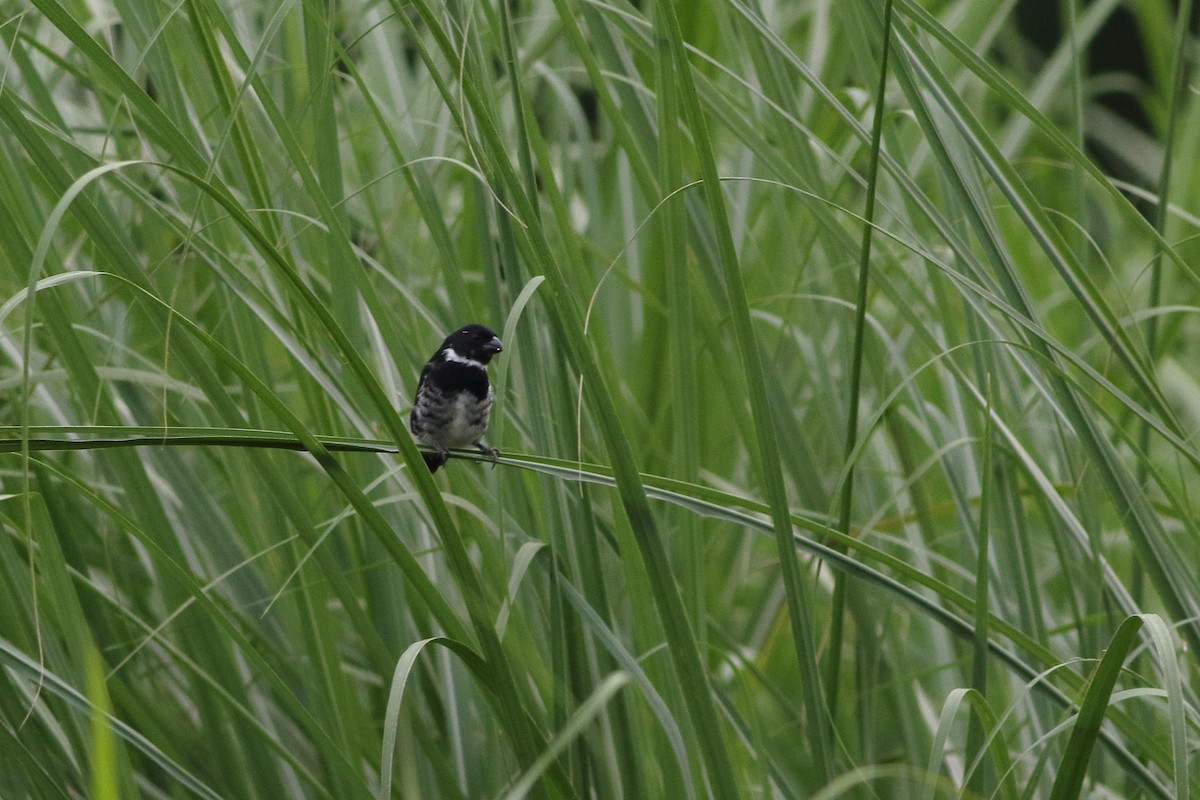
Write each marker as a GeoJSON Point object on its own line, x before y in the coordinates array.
{"type": "Point", "coordinates": [471, 343]}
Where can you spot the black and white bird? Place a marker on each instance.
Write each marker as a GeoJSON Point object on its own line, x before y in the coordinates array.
{"type": "Point", "coordinates": [454, 397]}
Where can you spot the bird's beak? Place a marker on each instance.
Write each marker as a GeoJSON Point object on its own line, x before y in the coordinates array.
{"type": "Point", "coordinates": [493, 346]}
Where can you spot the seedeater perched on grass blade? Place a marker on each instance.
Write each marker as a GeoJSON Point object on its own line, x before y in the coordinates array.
{"type": "Point", "coordinates": [454, 397]}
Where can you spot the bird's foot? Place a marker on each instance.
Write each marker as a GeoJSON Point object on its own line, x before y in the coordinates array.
{"type": "Point", "coordinates": [490, 452]}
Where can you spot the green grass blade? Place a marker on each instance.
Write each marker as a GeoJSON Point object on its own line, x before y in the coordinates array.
{"type": "Point", "coordinates": [1072, 770]}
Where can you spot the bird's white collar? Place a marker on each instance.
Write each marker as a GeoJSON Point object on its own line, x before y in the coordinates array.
{"type": "Point", "coordinates": [450, 354]}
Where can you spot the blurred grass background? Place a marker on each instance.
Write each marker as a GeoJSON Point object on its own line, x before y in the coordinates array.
{"type": "Point", "coordinates": [847, 403]}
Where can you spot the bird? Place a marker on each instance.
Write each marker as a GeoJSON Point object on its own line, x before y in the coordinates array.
{"type": "Point", "coordinates": [454, 397]}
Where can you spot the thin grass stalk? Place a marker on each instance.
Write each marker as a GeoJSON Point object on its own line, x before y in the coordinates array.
{"type": "Point", "coordinates": [854, 390]}
{"type": "Point", "coordinates": [804, 642]}
{"type": "Point", "coordinates": [979, 666]}
{"type": "Point", "coordinates": [573, 670]}
{"type": "Point", "coordinates": [1077, 119]}
{"type": "Point", "coordinates": [1183, 17]}
{"type": "Point", "coordinates": [345, 271]}
{"type": "Point", "coordinates": [1176, 94]}
{"type": "Point", "coordinates": [681, 351]}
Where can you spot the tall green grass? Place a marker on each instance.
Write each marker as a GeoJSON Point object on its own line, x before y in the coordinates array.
{"type": "Point", "coordinates": [846, 408]}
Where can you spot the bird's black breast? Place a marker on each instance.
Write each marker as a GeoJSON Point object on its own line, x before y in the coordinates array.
{"type": "Point", "coordinates": [452, 377]}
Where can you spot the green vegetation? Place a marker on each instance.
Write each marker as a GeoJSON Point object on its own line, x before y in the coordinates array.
{"type": "Point", "coordinates": [847, 406]}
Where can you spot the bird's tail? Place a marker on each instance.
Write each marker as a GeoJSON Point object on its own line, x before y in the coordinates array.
{"type": "Point", "coordinates": [434, 460]}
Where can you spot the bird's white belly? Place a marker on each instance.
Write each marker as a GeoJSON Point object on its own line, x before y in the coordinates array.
{"type": "Point", "coordinates": [468, 420]}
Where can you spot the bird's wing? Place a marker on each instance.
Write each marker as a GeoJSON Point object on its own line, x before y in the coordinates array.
{"type": "Point", "coordinates": [412, 415]}
{"type": "Point", "coordinates": [425, 374]}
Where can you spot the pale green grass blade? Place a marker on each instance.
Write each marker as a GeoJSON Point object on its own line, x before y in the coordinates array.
{"type": "Point", "coordinates": [15, 660]}
{"type": "Point", "coordinates": [404, 668]}
{"type": "Point", "coordinates": [767, 445]}
{"type": "Point", "coordinates": [1167, 660]}
{"type": "Point", "coordinates": [582, 717]}
{"type": "Point", "coordinates": [1073, 769]}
